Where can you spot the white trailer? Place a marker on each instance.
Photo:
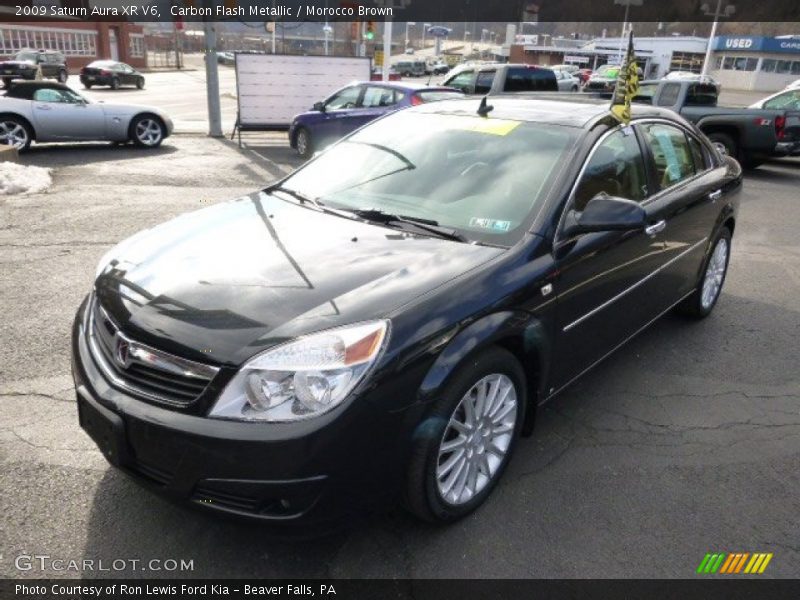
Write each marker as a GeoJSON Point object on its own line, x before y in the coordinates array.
{"type": "Point", "coordinates": [272, 88]}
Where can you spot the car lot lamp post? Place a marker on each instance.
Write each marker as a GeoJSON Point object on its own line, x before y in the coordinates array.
{"type": "Point", "coordinates": [728, 11]}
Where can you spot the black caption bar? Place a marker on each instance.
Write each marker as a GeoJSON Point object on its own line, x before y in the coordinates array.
{"type": "Point", "coordinates": [377, 589]}
{"type": "Point", "coordinates": [400, 10]}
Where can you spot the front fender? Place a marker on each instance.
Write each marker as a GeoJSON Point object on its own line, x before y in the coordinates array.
{"type": "Point", "coordinates": [523, 333]}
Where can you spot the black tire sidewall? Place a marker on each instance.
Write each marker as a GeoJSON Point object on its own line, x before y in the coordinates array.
{"type": "Point", "coordinates": [727, 141]}
{"type": "Point", "coordinates": [115, 84]}
{"type": "Point", "coordinates": [422, 494]}
{"type": "Point", "coordinates": [136, 140]}
{"type": "Point", "coordinates": [140, 83]}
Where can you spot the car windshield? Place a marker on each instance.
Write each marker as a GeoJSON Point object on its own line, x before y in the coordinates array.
{"type": "Point", "coordinates": [607, 71]}
{"type": "Point", "coordinates": [26, 56]}
{"type": "Point", "coordinates": [482, 177]}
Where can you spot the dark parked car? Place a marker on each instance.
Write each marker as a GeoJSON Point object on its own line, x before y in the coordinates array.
{"type": "Point", "coordinates": [27, 63]}
{"type": "Point", "coordinates": [354, 105]}
{"type": "Point", "coordinates": [384, 322]}
{"type": "Point", "coordinates": [499, 78]}
{"type": "Point", "coordinates": [111, 73]}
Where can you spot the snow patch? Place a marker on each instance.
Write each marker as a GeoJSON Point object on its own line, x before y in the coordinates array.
{"type": "Point", "coordinates": [21, 179]}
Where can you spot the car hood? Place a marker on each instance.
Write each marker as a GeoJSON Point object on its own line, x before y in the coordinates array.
{"type": "Point", "coordinates": [223, 283]}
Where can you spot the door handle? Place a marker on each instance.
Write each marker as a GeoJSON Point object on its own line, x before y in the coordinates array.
{"type": "Point", "coordinates": [43, 107]}
{"type": "Point", "coordinates": [655, 227]}
{"type": "Point", "coordinates": [715, 195]}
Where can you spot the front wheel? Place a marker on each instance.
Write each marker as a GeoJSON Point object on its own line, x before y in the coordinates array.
{"type": "Point", "coordinates": [303, 143]}
{"type": "Point", "coordinates": [115, 83]}
{"type": "Point", "coordinates": [462, 448]}
{"type": "Point", "coordinates": [8, 82]}
{"type": "Point", "coordinates": [140, 83]}
{"type": "Point", "coordinates": [704, 298]}
{"type": "Point", "coordinates": [147, 131]}
{"type": "Point", "coordinates": [62, 77]}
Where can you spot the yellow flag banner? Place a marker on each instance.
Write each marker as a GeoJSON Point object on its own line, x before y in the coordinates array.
{"type": "Point", "coordinates": [627, 85]}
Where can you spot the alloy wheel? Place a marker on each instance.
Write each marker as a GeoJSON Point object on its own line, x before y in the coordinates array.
{"type": "Point", "coordinates": [148, 132]}
{"type": "Point", "coordinates": [715, 273]}
{"type": "Point", "coordinates": [477, 439]}
{"type": "Point", "coordinates": [302, 143]}
{"type": "Point", "coordinates": [13, 134]}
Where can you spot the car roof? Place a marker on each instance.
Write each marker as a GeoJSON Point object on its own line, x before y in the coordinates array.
{"type": "Point", "coordinates": [24, 90]}
{"type": "Point", "coordinates": [409, 86]}
{"type": "Point", "coordinates": [104, 62]}
{"type": "Point", "coordinates": [542, 107]}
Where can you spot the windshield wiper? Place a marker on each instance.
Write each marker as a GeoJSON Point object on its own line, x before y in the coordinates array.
{"type": "Point", "coordinates": [428, 225]}
{"type": "Point", "coordinates": [303, 198]}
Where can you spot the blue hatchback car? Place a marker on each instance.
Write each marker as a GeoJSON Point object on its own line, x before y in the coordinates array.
{"type": "Point", "coordinates": [355, 105]}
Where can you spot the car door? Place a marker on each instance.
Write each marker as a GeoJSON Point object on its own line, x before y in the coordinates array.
{"type": "Point", "coordinates": [684, 207]}
{"type": "Point", "coordinates": [64, 115]}
{"type": "Point", "coordinates": [374, 102]}
{"type": "Point", "coordinates": [601, 296]}
{"type": "Point", "coordinates": [330, 126]}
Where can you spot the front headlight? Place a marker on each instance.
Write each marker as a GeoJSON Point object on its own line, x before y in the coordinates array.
{"type": "Point", "coordinates": [303, 378]}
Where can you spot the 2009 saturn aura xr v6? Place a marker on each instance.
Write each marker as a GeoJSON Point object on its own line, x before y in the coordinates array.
{"type": "Point", "coordinates": [383, 322]}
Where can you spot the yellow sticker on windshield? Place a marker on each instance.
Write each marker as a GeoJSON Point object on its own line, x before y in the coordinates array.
{"type": "Point", "coordinates": [493, 126]}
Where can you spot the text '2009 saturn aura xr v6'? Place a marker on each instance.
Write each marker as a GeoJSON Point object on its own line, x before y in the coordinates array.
{"type": "Point", "coordinates": [382, 323]}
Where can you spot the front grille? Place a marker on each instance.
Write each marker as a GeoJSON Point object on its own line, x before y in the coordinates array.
{"type": "Point", "coordinates": [142, 370]}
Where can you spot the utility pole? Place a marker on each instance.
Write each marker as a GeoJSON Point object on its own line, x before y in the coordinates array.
{"type": "Point", "coordinates": [719, 12]}
{"type": "Point", "coordinates": [212, 77]}
{"type": "Point", "coordinates": [387, 46]}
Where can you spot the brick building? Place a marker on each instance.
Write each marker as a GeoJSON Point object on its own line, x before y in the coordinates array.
{"type": "Point", "coordinates": [81, 42]}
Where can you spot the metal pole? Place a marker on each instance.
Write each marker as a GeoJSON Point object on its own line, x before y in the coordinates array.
{"type": "Point", "coordinates": [274, 27]}
{"type": "Point", "coordinates": [707, 58]}
{"type": "Point", "coordinates": [177, 45]}
{"type": "Point", "coordinates": [212, 79]}
{"type": "Point", "coordinates": [387, 46]}
{"type": "Point", "coordinates": [624, 27]}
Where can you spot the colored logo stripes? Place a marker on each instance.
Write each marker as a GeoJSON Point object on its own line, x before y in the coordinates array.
{"type": "Point", "coordinates": [734, 563]}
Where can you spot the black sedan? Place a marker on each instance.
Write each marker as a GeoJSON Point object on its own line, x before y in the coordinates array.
{"type": "Point", "coordinates": [384, 322]}
{"type": "Point", "coordinates": [110, 73]}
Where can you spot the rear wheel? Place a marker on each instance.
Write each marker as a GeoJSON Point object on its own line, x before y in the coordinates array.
{"type": "Point", "coordinates": [7, 82]}
{"type": "Point", "coordinates": [303, 143]}
{"type": "Point", "coordinates": [704, 298]}
{"type": "Point", "coordinates": [62, 76]}
{"type": "Point", "coordinates": [88, 86]}
{"type": "Point", "coordinates": [115, 83]}
{"type": "Point", "coordinates": [724, 143]}
{"type": "Point", "coordinates": [15, 132]}
{"type": "Point", "coordinates": [147, 131]}
{"type": "Point", "coordinates": [468, 438]}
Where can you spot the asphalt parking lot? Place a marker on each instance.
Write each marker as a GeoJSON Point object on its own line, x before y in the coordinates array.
{"type": "Point", "coordinates": [686, 441]}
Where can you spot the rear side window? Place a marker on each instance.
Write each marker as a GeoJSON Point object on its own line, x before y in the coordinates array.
{"type": "Point", "coordinates": [701, 94]}
{"type": "Point", "coordinates": [378, 96]}
{"type": "Point", "coordinates": [669, 94]}
{"type": "Point", "coordinates": [673, 158]}
{"type": "Point", "coordinates": [616, 168]}
{"type": "Point", "coordinates": [524, 79]}
{"type": "Point", "coordinates": [483, 82]}
{"type": "Point", "coordinates": [462, 81]}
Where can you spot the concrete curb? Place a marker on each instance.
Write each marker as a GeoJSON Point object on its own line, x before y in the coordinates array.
{"type": "Point", "coordinates": [9, 153]}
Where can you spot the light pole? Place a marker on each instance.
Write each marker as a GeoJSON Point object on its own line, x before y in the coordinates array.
{"type": "Point", "coordinates": [408, 24]}
{"type": "Point", "coordinates": [326, 30]}
{"type": "Point", "coordinates": [424, 30]}
{"type": "Point", "coordinates": [627, 4]}
{"type": "Point", "coordinates": [728, 11]}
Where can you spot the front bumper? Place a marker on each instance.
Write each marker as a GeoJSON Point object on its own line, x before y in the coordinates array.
{"type": "Point", "coordinates": [313, 473]}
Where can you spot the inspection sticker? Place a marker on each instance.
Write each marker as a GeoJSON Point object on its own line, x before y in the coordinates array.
{"type": "Point", "coordinates": [492, 224]}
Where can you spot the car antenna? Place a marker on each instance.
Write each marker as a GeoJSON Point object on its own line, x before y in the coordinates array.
{"type": "Point", "coordinates": [484, 109]}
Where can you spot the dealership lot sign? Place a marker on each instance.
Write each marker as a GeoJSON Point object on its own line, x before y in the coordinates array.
{"type": "Point", "coordinates": [752, 43]}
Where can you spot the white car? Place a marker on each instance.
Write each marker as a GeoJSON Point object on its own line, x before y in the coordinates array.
{"type": "Point", "coordinates": [793, 85]}
{"type": "Point", "coordinates": [52, 112]}
{"type": "Point", "coordinates": [788, 99]}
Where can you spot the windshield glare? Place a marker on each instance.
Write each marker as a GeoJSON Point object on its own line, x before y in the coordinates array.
{"type": "Point", "coordinates": [31, 56]}
{"type": "Point", "coordinates": [483, 177]}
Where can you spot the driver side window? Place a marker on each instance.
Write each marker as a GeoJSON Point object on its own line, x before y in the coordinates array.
{"type": "Point", "coordinates": [616, 168]}
{"type": "Point", "coordinates": [346, 98]}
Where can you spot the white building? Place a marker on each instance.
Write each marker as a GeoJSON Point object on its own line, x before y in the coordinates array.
{"type": "Point", "coordinates": [764, 64]}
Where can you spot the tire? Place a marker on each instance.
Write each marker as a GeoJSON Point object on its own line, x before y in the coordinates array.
{"type": "Point", "coordinates": [17, 130]}
{"type": "Point", "coordinates": [703, 299]}
{"type": "Point", "coordinates": [140, 83]}
{"type": "Point", "coordinates": [115, 83]}
{"type": "Point", "coordinates": [434, 488]}
{"type": "Point", "coordinates": [147, 131]}
{"type": "Point", "coordinates": [62, 77]}
{"type": "Point", "coordinates": [726, 142]}
{"type": "Point", "coordinates": [574, 88]}
{"type": "Point", "coordinates": [750, 163]}
{"type": "Point", "coordinates": [8, 82]}
{"type": "Point", "coordinates": [88, 86]}
{"type": "Point", "coordinates": [303, 142]}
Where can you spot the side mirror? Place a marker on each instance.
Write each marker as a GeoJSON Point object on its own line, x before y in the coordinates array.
{"type": "Point", "coordinates": [319, 107]}
{"type": "Point", "coordinates": [607, 213]}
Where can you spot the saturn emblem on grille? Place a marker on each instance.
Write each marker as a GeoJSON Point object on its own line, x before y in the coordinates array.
{"type": "Point", "coordinates": [122, 351]}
